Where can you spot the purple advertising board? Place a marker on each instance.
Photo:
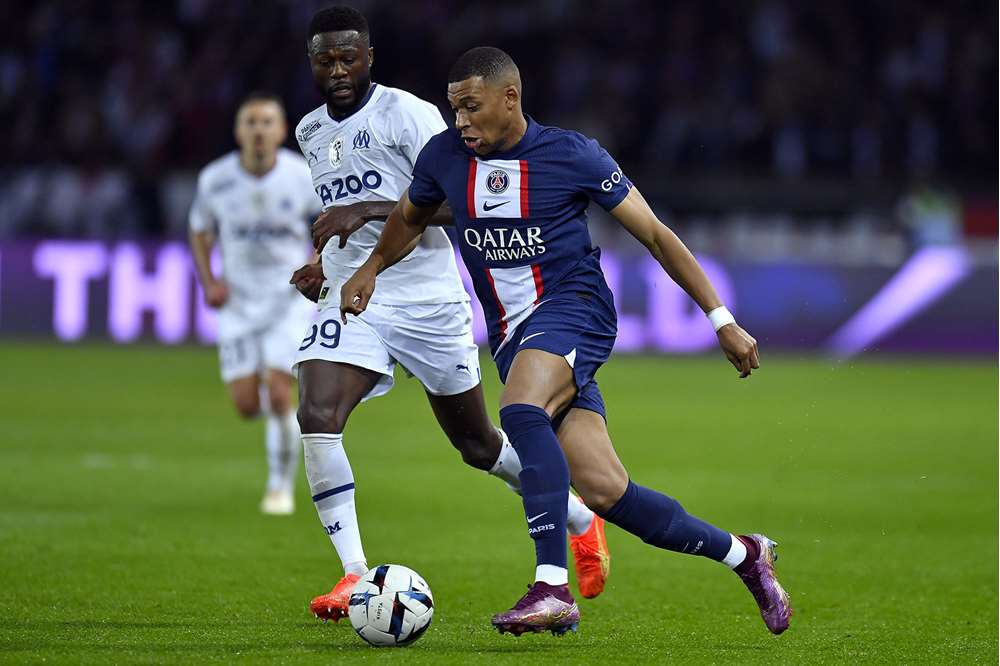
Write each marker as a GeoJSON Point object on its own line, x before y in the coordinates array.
{"type": "Point", "coordinates": [936, 301]}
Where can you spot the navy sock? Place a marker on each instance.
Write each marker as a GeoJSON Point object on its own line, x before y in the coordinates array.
{"type": "Point", "coordinates": [661, 521]}
{"type": "Point", "coordinates": [544, 479]}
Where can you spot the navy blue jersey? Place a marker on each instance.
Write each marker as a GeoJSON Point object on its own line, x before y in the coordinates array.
{"type": "Point", "coordinates": [521, 216]}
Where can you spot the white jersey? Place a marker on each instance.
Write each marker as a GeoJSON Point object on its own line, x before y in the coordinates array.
{"type": "Point", "coordinates": [369, 156]}
{"type": "Point", "coordinates": [262, 226]}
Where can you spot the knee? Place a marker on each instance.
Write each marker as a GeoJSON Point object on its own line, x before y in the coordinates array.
{"type": "Point", "coordinates": [247, 406]}
{"type": "Point", "coordinates": [601, 494]}
{"type": "Point", "coordinates": [280, 402]}
{"type": "Point", "coordinates": [478, 452]}
{"type": "Point", "coordinates": [279, 392]}
{"type": "Point", "coordinates": [331, 418]}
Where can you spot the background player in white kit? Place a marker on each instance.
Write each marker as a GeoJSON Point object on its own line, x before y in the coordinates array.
{"type": "Point", "coordinates": [257, 202]}
{"type": "Point", "coordinates": [361, 146]}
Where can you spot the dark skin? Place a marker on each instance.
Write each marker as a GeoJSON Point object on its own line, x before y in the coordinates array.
{"type": "Point", "coordinates": [488, 117]}
{"type": "Point", "coordinates": [328, 392]}
{"type": "Point", "coordinates": [341, 68]}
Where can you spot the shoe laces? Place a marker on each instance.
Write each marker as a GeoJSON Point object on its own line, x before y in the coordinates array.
{"type": "Point", "coordinates": [535, 594]}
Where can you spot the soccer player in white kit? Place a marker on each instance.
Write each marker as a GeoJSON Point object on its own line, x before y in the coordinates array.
{"type": "Point", "coordinates": [257, 202]}
{"type": "Point", "coordinates": [361, 145]}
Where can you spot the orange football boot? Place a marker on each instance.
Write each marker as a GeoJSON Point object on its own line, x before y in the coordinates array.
{"type": "Point", "coordinates": [591, 557]}
{"type": "Point", "coordinates": [333, 606]}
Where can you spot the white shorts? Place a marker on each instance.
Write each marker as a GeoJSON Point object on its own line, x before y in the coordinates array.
{"type": "Point", "coordinates": [272, 348]}
{"type": "Point", "coordinates": [431, 342]}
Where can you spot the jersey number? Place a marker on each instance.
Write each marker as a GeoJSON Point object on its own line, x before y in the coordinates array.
{"type": "Point", "coordinates": [341, 188]}
{"type": "Point", "coordinates": [328, 332]}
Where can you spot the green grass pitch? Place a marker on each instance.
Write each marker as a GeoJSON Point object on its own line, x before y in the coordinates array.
{"type": "Point", "coordinates": [129, 529]}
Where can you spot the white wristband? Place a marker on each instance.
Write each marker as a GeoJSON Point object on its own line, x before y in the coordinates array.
{"type": "Point", "coordinates": [721, 316]}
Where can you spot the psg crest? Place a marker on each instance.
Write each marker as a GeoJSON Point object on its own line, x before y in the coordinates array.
{"type": "Point", "coordinates": [337, 151]}
{"type": "Point", "coordinates": [497, 181]}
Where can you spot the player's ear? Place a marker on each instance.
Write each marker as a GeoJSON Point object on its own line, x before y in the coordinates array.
{"type": "Point", "coordinates": [371, 56]}
{"type": "Point", "coordinates": [511, 97]}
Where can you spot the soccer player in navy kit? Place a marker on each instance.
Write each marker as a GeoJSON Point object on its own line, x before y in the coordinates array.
{"type": "Point", "coordinates": [519, 193]}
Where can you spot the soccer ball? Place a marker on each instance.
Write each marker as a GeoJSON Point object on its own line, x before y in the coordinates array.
{"type": "Point", "coordinates": [391, 605]}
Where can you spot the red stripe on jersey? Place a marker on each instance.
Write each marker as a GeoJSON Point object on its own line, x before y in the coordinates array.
{"type": "Point", "coordinates": [496, 297]}
{"type": "Point", "coordinates": [524, 189]}
{"type": "Point", "coordinates": [536, 272]}
{"type": "Point", "coordinates": [470, 193]}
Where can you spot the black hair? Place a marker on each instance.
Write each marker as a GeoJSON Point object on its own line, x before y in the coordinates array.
{"type": "Point", "coordinates": [337, 19]}
{"type": "Point", "coordinates": [486, 61]}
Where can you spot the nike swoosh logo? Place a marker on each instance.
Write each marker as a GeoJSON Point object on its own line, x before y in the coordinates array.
{"type": "Point", "coordinates": [533, 335]}
{"type": "Point", "coordinates": [531, 520]}
{"type": "Point", "coordinates": [488, 207]}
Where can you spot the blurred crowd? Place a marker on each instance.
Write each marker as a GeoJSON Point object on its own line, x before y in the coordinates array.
{"type": "Point", "coordinates": [108, 104]}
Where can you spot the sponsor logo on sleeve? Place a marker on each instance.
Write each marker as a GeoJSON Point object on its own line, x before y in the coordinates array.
{"type": "Point", "coordinates": [309, 130]}
{"type": "Point", "coordinates": [611, 181]}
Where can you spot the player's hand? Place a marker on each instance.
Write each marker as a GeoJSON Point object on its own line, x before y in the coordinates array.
{"type": "Point", "coordinates": [216, 294]}
{"type": "Point", "coordinates": [341, 221]}
{"type": "Point", "coordinates": [309, 280]}
{"type": "Point", "coordinates": [740, 348]}
{"type": "Point", "coordinates": [356, 292]}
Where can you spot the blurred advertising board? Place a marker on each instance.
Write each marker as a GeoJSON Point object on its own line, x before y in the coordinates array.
{"type": "Point", "coordinates": [938, 300]}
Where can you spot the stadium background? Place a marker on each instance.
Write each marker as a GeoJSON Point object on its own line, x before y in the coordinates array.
{"type": "Point", "coordinates": [833, 165]}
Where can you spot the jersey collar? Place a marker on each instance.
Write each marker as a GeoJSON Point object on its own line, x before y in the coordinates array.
{"type": "Point", "coordinates": [364, 103]}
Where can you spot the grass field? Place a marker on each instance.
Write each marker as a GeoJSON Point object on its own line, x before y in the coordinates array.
{"type": "Point", "coordinates": [129, 529]}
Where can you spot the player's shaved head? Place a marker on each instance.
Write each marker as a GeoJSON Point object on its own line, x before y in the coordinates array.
{"type": "Point", "coordinates": [491, 64]}
{"type": "Point", "coordinates": [338, 19]}
{"type": "Point", "coordinates": [484, 91]}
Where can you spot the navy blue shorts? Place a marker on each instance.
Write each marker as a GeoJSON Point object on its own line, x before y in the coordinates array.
{"type": "Point", "coordinates": [581, 328]}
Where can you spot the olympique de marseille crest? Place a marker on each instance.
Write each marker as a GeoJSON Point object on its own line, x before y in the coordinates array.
{"type": "Point", "coordinates": [337, 151]}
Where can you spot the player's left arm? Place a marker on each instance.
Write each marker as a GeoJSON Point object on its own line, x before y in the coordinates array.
{"type": "Point", "coordinates": [639, 219]}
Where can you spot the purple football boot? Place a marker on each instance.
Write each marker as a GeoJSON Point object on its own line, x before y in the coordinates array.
{"type": "Point", "coordinates": [544, 608]}
{"type": "Point", "coordinates": [759, 577]}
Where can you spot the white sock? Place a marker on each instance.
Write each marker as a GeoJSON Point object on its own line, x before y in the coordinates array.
{"type": "Point", "coordinates": [551, 574]}
{"type": "Point", "coordinates": [331, 483]}
{"type": "Point", "coordinates": [578, 517]}
{"type": "Point", "coordinates": [508, 467]}
{"type": "Point", "coordinates": [290, 447]}
{"type": "Point", "coordinates": [274, 443]}
{"type": "Point", "coordinates": [737, 553]}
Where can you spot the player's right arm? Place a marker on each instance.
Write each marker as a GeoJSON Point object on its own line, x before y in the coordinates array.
{"type": "Point", "coordinates": [342, 221]}
{"type": "Point", "coordinates": [201, 238]}
{"type": "Point", "coordinates": [402, 229]}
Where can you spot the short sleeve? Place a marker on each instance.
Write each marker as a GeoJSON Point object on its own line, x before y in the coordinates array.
{"type": "Point", "coordinates": [425, 190]}
{"type": "Point", "coordinates": [599, 175]}
{"type": "Point", "coordinates": [421, 121]}
{"type": "Point", "coordinates": [200, 218]}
